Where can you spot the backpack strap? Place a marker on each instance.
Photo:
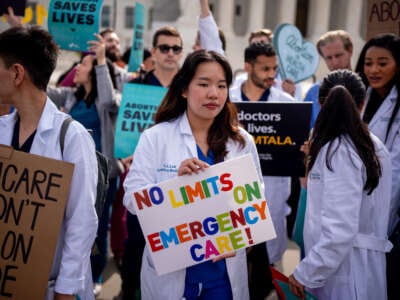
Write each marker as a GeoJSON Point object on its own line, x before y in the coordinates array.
{"type": "Point", "coordinates": [63, 131]}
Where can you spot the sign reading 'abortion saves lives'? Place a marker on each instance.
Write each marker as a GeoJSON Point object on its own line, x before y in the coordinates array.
{"type": "Point", "coordinates": [136, 113]}
{"type": "Point", "coordinates": [74, 22]}
{"type": "Point", "coordinates": [190, 219]}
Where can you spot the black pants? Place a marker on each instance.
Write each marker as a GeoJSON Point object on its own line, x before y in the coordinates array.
{"type": "Point", "coordinates": [393, 266]}
{"type": "Point", "coordinates": [132, 260]}
{"type": "Point", "coordinates": [260, 278]}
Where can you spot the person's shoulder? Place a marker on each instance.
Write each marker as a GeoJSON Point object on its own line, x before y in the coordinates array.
{"type": "Point", "coordinates": [245, 133]}
{"type": "Point", "coordinates": [380, 147]}
{"type": "Point", "coordinates": [162, 129]}
{"type": "Point", "coordinates": [313, 90]}
{"type": "Point", "coordinates": [235, 93]}
{"type": "Point", "coordinates": [279, 95]}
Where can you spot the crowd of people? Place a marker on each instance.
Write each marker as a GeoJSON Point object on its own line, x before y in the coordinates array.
{"type": "Point", "coordinates": [352, 158]}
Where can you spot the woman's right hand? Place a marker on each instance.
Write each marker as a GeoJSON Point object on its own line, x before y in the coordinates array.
{"type": "Point", "coordinates": [305, 148]}
{"type": "Point", "coordinates": [191, 165]}
{"type": "Point", "coordinates": [12, 19]}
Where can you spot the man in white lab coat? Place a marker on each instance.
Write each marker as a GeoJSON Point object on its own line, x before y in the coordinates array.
{"type": "Point", "coordinates": [34, 127]}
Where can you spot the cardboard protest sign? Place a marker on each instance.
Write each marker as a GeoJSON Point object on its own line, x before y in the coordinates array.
{"type": "Point", "coordinates": [191, 219]}
{"type": "Point", "coordinates": [33, 194]}
{"type": "Point", "coordinates": [279, 129]}
{"type": "Point", "coordinates": [74, 22]}
{"type": "Point", "coordinates": [17, 5]}
{"type": "Point", "coordinates": [382, 17]}
{"type": "Point", "coordinates": [139, 104]}
{"type": "Point", "coordinates": [136, 56]}
{"type": "Point", "coordinates": [298, 59]}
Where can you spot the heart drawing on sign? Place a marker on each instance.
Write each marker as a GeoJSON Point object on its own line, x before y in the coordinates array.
{"type": "Point", "coordinates": [298, 59]}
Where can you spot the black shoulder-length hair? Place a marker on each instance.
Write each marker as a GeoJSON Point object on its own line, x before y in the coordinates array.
{"type": "Point", "coordinates": [339, 118]}
{"type": "Point", "coordinates": [91, 97]}
{"type": "Point", "coordinates": [173, 105]}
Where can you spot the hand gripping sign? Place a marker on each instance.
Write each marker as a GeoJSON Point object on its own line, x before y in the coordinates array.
{"type": "Point", "coordinates": [191, 219]}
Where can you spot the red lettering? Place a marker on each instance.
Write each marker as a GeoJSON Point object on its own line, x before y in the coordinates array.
{"type": "Point", "coordinates": [225, 181]}
{"type": "Point", "coordinates": [155, 242]}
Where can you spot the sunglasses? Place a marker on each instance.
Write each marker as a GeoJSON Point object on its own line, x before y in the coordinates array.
{"type": "Point", "coordinates": [165, 48]}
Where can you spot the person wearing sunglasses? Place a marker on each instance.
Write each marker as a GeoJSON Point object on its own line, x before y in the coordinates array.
{"type": "Point", "coordinates": [166, 52]}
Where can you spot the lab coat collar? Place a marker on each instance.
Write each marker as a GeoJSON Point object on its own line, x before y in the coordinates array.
{"type": "Point", "coordinates": [186, 131]}
{"type": "Point", "coordinates": [385, 108]}
{"type": "Point", "coordinates": [45, 124]}
{"type": "Point", "coordinates": [7, 123]}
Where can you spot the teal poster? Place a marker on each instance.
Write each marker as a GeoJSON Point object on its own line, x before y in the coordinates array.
{"type": "Point", "coordinates": [136, 57]}
{"type": "Point", "coordinates": [138, 106]}
{"type": "Point", "coordinates": [74, 22]}
{"type": "Point", "coordinates": [298, 58]}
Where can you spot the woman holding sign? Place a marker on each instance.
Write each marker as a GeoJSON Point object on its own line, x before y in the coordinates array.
{"type": "Point", "coordinates": [348, 200]}
{"type": "Point", "coordinates": [196, 126]}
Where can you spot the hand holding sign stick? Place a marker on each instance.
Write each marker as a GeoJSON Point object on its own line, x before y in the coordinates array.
{"type": "Point", "coordinates": [12, 19]}
{"type": "Point", "coordinates": [98, 47]}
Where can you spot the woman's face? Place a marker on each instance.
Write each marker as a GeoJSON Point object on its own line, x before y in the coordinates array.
{"type": "Point", "coordinates": [82, 74]}
{"type": "Point", "coordinates": [207, 93]}
{"type": "Point", "coordinates": [379, 68]}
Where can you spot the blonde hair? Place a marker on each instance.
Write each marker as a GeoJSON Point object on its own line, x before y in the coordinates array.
{"type": "Point", "coordinates": [331, 36]}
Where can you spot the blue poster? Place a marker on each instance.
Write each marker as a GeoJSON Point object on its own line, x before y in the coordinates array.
{"type": "Point", "coordinates": [298, 58]}
{"type": "Point", "coordinates": [74, 22]}
{"type": "Point", "coordinates": [138, 106]}
{"type": "Point", "coordinates": [136, 56]}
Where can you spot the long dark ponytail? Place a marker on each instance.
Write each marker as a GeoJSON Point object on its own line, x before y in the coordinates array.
{"type": "Point", "coordinates": [339, 118]}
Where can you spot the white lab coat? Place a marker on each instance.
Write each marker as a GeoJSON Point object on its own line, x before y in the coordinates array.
{"type": "Point", "coordinates": [160, 151]}
{"type": "Point", "coordinates": [277, 188]}
{"type": "Point", "coordinates": [71, 264]}
{"type": "Point", "coordinates": [377, 126]}
{"type": "Point", "coordinates": [345, 230]}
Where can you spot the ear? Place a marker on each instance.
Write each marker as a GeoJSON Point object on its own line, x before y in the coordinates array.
{"type": "Point", "coordinates": [184, 94]}
{"type": "Point", "coordinates": [247, 67]}
{"type": "Point", "coordinates": [351, 50]}
{"type": "Point", "coordinates": [153, 51]}
{"type": "Point", "coordinates": [20, 73]}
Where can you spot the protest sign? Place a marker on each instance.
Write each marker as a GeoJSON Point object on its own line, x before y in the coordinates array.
{"type": "Point", "coordinates": [74, 22]}
{"type": "Point", "coordinates": [382, 17]}
{"type": "Point", "coordinates": [298, 59]}
{"type": "Point", "coordinates": [136, 56]}
{"type": "Point", "coordinates": [17, 5]}
{"type": "Point", "coordinates": [279, 129]}
{"type": "Point", "coordinates": [33, 194]}
{"type": "Point", "coordinates": [139, 104]}
{"type": "Point", "coordinates": [191, 219]}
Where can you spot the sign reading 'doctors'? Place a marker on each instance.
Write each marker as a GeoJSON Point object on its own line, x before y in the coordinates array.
{"type": "Point", "coordinates": [138, 106]}
{"type": "Point", "coordinates": [74, 22]}
{"type": "Point", "coordinates": [191, 219]}
{"type": "Point", "coordinates": [279, 129]}
{"type": "Point", "coordinates": [33, 194]}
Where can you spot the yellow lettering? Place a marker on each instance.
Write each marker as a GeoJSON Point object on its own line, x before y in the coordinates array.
{"type": "Point", "coordinates": [174, 203]}
{"type": "Point", "coordinates": [223, 242]}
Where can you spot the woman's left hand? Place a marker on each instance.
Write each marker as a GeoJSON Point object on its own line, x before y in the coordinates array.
{"type": "Point", "coordinates": [191, 165]}
{"type": "Point", "coordinates": [296, 287]}
{"type": "Point", "coordinates": [223, 256]}
{"type": "Point", "coordinates": [99, 48]}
